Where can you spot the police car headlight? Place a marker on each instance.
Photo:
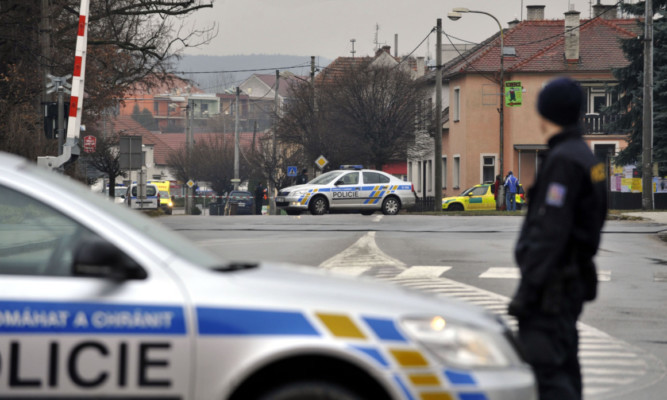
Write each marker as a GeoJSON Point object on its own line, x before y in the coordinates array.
{"type": "Point", "coordinates": [460, 345]}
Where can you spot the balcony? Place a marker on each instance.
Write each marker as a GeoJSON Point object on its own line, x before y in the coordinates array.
{"type": "Point", "coordinates": [600, 124]}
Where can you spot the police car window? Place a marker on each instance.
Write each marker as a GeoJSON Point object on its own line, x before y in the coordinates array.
{"type": "Point", "coordinates": [351, 178]}
{"type": "Point", "coordinates": [326, 178]}
{"type": "Point", "coordinates": [34, 238]}
{"type": "Point", "coordinates": [374, 177]}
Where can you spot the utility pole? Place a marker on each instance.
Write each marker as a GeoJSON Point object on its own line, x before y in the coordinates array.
{"type": "Point", "coordinates": [274, 162]}
{"type": "Point", "coordinates": [647, 120]}
{"type": "Point", "coordinates": [236, 140]}
{"type": "Point", "coordinates": [189, 197]}
{"type": "Point", "coordinates": [437, 142]}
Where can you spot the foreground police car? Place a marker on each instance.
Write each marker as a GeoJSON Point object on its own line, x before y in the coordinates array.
{"type": "Point", "coordinates": [362, 190]}
{"type": "Point", "coordinates": [98, 301]}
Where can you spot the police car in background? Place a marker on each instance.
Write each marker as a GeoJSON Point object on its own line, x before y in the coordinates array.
{"type": "Point", "coordinates": [98, 301]}
{"type": "Point", "coordinates": [351, 188]}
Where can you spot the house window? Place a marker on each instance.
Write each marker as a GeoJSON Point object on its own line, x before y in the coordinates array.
{"type": "Point", "coordinates": [488, 168]}
{"type": "Point", "coordinates": [419, 177]}
{"type": "Point", "coordinates": [444, 172]}
{"type": "Point", "coordinates": [457, 170]}
{"type": "Point", "coordinates": [457, 105]}
{"type": "Point", "coordinates": [412, 178]}
{"type": "Point", "coordinates": [156, 108]}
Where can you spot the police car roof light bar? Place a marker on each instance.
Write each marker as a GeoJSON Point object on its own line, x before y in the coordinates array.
{"type": "Point", "coordinates": [349, 166]}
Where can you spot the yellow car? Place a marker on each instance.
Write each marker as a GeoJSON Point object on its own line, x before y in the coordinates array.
{"type": "Point", "coordinates": [478, 197]}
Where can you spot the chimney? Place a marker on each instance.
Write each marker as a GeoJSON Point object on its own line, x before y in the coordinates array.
{"type": "Point", "coordinates": [605, 11]}
{"type": "Point", "coordinates": [383, 49]}
{"type": "Point", "coordinates": [513, 23]}
{"type": "Point", "coordinates": [421, 67]}
{"type": "Point", "coordinates": [572, 36]}
{"type": "Point", "coordinates": [535, 13]}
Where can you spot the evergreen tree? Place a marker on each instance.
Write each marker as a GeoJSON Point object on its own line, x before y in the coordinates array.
{"type": "Point", "coordinates": [629, 106]}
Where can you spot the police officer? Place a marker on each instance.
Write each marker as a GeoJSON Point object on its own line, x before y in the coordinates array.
{"type": "Point", "coordinates": [259, 198]}
{"type": "Point", "coordinates": [303, 178]}
{"type": "Point", "coordinates": [558, 241]}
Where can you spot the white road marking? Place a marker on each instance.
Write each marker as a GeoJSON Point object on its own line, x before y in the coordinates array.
{"type": "Point", "coordinates": [363, 253]}
{"type": "Point", "coordinates": [501, 273]}
{"type": "Point", "coordinates": [423, 271]}
{"type": "Point", "coordinates": [608, 365]}
{"type": "Point", "coordinates": [377, 218]}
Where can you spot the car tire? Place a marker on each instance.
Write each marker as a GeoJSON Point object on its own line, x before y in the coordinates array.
{"type": "Point", "coordinates": [293, 212]}
{"type": "Point", "coordinates": [455, 207]}
{"type": "Point", "coordinates": [391, 205]}
{"type": "Point", "coordinates": [319, 205]}
{"type": "Point", "coordinates": [311, 390]}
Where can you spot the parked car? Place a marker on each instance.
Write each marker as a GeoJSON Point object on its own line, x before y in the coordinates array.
{"type": "Point", "coordinates": [363, 190]}
{"type": "Point", "coordinates": [243, 200]}
{"type": "Point", "coordinates": [101, 302]}
{"type": "Point", "coordinates": [478, 197]}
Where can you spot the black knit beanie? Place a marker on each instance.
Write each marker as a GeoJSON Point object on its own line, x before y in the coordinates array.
{"type": "Point", "coordinates": [561, 101]}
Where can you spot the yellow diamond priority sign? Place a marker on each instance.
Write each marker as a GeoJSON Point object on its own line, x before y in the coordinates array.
{"type": "Point", "coordinates": [190, 183]}
{"type": "Point", "coordinates": [321, 162]}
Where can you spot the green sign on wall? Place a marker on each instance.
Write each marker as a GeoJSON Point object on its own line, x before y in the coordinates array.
{"type": "Point", "coordinates": [513, 93]}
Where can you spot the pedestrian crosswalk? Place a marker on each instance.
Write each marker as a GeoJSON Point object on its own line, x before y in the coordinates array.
{"type": "Point", "coordinates": [610, 367]}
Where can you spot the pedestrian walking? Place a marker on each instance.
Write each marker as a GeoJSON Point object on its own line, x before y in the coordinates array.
{"type": "Point", "coordinates": [303, 177]}
{"type": "Point", "coordinates": [558, 240]}
{"type": "Point", "coordinates": [259, 198]}
{"type": "Point", "coordinates": [511, 189]}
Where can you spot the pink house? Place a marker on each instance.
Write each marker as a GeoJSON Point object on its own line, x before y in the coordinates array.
{"type": "Point", "coordinates": [536, 50]}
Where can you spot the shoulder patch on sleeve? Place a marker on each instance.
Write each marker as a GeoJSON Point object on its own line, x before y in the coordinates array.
{"type": "Point", "coordinates": [597, 173]}
{"type": "Point", "coordinates": [556, 194]}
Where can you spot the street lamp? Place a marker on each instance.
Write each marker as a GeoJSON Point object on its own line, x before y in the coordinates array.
{"type": "Point", "coordinates": [455, 15]}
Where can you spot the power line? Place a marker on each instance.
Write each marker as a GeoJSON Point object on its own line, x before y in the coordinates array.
{"type": "Point", "coordinates": [241, 70]}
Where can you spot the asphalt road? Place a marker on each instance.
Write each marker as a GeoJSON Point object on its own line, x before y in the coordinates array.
{"type": "Point", "coordinates": [623, 346]}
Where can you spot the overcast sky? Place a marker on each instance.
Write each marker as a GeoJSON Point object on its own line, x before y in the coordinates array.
{"type": "Point", "coordinates": [324, 27]}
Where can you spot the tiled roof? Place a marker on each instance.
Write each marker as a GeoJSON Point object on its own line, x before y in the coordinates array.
{"type": "Point", "coordinates": [540, 47]}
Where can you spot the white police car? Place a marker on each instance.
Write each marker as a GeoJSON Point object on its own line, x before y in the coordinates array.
{"type": "Point", "coordinates": [97, 301]}
{"type": "Point", "coordinates": [348, 189]}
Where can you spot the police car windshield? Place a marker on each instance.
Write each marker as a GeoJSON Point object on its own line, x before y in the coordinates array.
{"type": "Point", "coordinates": [155, 231]}
{"type": "Point", "coordinates": [326, 178]}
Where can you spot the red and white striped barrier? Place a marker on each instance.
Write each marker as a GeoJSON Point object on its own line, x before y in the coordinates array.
{"type": "Point", "coordinates": [76, 100]}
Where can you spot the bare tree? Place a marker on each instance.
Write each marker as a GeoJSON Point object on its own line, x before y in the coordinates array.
{"type": "Point", "coordinates": [378, 106]}
{"type": "Point", "coordinates": [212, 161]}
{"type": "Point", "coordinates": [106, 158]}
{"type": "Point", "coordinates": [128, 42]}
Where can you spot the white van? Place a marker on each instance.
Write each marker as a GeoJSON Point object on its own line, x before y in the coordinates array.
{"type": "Point", "coordinates": [151, 200]}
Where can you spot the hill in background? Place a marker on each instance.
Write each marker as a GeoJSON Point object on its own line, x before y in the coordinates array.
{"type": "Point", "coordinates": [215, 74]}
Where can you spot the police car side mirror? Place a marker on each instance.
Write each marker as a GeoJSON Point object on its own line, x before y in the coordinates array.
{"type": "Point", "coordinates": [101, 259]}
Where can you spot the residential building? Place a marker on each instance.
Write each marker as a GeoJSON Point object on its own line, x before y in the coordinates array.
{"type": "Point", "coordinates": [535, 51]}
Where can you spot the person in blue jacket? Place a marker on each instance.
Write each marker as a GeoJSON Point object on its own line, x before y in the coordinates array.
{"type": "Point", "coordinates": [511, 189]}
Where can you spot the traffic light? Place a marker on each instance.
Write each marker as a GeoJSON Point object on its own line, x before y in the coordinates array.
{"type": "Point", "coordinates": [51, 119]}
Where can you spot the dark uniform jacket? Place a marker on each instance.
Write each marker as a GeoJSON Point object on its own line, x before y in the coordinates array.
{"type": "Point", "coordinates": [561, 232]}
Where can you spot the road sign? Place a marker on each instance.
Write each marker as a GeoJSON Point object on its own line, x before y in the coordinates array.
{"type": "Point", "coordinates": [131, 153]}
{"type": "Point", "coordinates": [89, 144]}
{"type": "Point", "coordinates": [291, 171]}
{"type": "Point", "coordinates": [321, 162]}
{"type": "Point", "coordinates": [190, 183]}
{"type": "Point", "coordinates": [513, 93]}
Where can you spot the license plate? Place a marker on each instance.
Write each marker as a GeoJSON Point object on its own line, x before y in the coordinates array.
{"type": "Point", "coordinates": [280, 199]}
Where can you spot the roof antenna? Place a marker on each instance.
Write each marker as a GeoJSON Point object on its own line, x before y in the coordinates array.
{"type": "Point", "coordinates": [352, 41]}
{"type": "Point", "coordinates": [375, 41]}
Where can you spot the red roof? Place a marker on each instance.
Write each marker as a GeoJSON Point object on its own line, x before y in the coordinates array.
{"type": "Point", "coordinates": [540, 47]}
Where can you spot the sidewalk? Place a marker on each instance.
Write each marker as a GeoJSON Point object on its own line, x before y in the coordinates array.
{"type": "Point", "coordinates": [659, 217]}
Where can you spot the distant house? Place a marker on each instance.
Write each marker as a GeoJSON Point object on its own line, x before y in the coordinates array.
{"type": "Point", "coordinates": [536, 50]}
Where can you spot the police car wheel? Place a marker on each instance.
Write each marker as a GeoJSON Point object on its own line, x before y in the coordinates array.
{"type": "Point", "coordinates": [310, 391]}
{"type": "Point", "coordinates": [391, 206]}
{"type": "Point", "coordinates": [319, 205]}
